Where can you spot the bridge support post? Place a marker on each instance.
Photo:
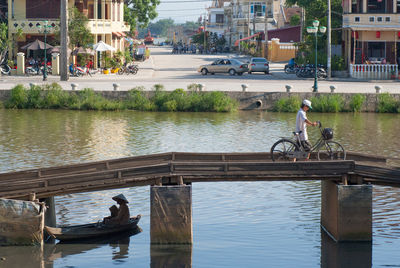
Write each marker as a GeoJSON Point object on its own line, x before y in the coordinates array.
{"type": "Point", "coordinates": [171, 214]}
{"type": "Point", "coordinates": [50, 215]}
{"type": "Point", "coordinates": [346, 211]}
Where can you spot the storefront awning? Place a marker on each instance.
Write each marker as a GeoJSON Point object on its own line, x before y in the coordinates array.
{"type": "Point", "coordinates": [371, 28]}
{"type": "Point", "coordinates": [246, 38]}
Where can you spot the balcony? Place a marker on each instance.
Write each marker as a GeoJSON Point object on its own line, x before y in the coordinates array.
{"type": "Point", "coordinates": [371, 21]}
{"type": "Point", "coordinates": [30, 26]}
{"type": "Point", "coordinates": [215, 25]}
{"type": "Point", "coordinates": [107, 26]}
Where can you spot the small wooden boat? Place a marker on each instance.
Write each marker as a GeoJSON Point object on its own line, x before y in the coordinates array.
{"type": "Point", "coordinates": [91, 230]}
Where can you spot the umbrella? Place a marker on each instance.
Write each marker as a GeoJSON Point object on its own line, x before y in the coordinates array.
{"type": "Point", "coordinates": [36, 45]}
{"type": "Point", "coordinates": [82, 50]}
{"type": "Point", "coordinates": [101, 46]}
{"type": "Point", "coordinates": [57, 49]}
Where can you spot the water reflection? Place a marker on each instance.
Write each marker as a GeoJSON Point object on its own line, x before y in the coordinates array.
{"type": "Point", "coordinates": [344, 254]}
{"type": "Point", "coordinates": [177, 256]}
{"type": "Point", "coordinates": [17, 257]}
{"type": "Point", "coordinates": [119, 244]}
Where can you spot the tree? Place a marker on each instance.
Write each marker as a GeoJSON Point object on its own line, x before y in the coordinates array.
{"type": "Point", "coordinates": [140, 12]}
{"type": "Point", "coordinates": [295, 20]}
{"type": "Point", "coordinates": [158, 28]}
{"type": "Point", "coordinates": [78, 33]}
{"type": "Point", "coordinates": [3, 41]}
{"type": "Point", "coordinates": [198, 38]}
{"type": "Point", "coordinates": [317, 9]}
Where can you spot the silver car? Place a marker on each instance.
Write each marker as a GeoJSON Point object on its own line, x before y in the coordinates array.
{"type": "Point", "coordinates": [259, 65]}
{"type": "Point", "coordinates": [230, 66]}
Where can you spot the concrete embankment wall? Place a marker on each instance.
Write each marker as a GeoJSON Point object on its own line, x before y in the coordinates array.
{"type": "Point", "coordinates": [254, 100]}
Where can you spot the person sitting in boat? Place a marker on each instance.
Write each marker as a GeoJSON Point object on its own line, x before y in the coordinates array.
{"type": "Point", "coordinates": [119, 215]}
{"type": "Point", "coordinates": [114, 213]}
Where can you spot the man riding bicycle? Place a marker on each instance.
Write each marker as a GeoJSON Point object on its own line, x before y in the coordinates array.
{"type": "Point", "coordinates": [301, 125]}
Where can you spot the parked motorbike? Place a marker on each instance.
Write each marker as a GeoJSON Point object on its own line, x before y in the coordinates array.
{"type": "Point", "coordinates": [128, 69]}
{"type": "Point", "coordinates": [291, 69]}
{"type": "Point", "coordinates": [5, 69]}
{"type": "Point", "coordinates": [308, 71]}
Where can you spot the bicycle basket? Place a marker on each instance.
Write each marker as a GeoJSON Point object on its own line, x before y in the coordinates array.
{"type": "Point", "coordinates": [327, 133]}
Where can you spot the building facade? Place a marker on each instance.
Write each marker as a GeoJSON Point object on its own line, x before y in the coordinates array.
{"type": "Point", "coordinates": [26, 16]}
{"type": "Point", "coordinates": [244, 18]}
{"type": "Point", "coordinates": [371, 31]}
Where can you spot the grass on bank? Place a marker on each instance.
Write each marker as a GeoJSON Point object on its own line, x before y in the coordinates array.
{"type": "Point", "coordinates": [336, 103]}
{"type": "Point", "coordinates": [54, 97]}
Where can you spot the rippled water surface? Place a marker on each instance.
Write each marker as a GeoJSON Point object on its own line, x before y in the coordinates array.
{"type": "Point", "coordinates": [235, 224]}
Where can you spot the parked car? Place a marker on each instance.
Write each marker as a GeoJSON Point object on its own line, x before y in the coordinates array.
{"type": "Point", "coordinates": [230, 66]}
{"type": "Point", "coordinates": [258, 65]}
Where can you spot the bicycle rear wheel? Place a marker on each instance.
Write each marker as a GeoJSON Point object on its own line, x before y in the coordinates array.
{"type": "Point", "coordinates": [331, 150]}
{"type": "Point", "coordinates": [282, 149]}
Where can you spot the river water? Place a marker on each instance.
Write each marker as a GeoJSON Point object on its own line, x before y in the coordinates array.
{"type": "Point", "coordinates": [235, 224]}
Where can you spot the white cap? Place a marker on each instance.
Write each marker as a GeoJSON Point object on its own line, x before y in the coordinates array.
{"type": "Point", "coordinates": [307, 103]}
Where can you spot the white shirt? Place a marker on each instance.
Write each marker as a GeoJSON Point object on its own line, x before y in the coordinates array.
{"type": "Point", "coordinates": [301, 124]}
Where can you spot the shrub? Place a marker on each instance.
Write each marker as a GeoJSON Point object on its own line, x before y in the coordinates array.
{"type": "Point", "coordinates": [288, 105]}
{"type": "Point", "coordinates": [328, 104]}
{"type": "Point", "coordinates": [193, 87]}
{"type": "Point", "coordinates": [55, 98]}
{"type": "Point", "coordinates": [357, 102]}
{"type": "Point", "coordinates": [137, 101]}
{"type": "Point", "coordinates": [18, 98]}
{"type": "Point", "coordinates": [338, 63]}
{"type": "Point", "coordinates": [158, 87]}
{"type": "Point", "coordinates": [217, 101]}
{"type": "Point", "coordinates": [34, 98]}
{"type": "Point", "coordinates": [387, 104]}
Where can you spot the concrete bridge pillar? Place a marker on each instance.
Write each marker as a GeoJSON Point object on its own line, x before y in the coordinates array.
{"type": "Point", "coordinates": [346, 211]}
{"type": "Point", "coordinates": [171, 214]}
{"type": "Point", "coordinates": [50, 214]}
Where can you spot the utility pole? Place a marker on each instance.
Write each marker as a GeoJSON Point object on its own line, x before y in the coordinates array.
{"type": "Point", "coordinates": [301, 24]}
{"type": "Point", "coordinates": [248, 21]}
{"type": "Point", "coordinates": [329, 41]}
{"type": "Point", "coordinates": [64, 41]}
{"type": "Point", "coordinates": [266, 32]}
{"type": "Point", "coordinates": [205, 34]}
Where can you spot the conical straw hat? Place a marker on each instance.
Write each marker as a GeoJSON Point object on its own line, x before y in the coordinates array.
{"type": "Point", "coordinates": [120, 197]}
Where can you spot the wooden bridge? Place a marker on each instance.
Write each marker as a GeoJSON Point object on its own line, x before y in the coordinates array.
{"type": "Point", "coordinates": [185, 168]}
{"type": "Point", "coordinates": [346, 188]}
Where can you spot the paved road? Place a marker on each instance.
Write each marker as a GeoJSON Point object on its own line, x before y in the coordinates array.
{"type": "Point", "coordinates": [178, 71]}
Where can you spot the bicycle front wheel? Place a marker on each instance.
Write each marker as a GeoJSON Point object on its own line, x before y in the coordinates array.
{"type": "Point", "coordinates": [283, 149]}
{"type": "Point", "coordinates": [331, 150]}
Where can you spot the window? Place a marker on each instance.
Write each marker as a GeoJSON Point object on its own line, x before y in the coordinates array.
{"type": "Point", "coordinates": [219, 18]}
{"type": "Point", "coordinates": [257, 9]}
{"type": "Point", "coordinates": [376, 6]}
{"type": "Point", "coordinates": [376, 50]}
{"type": "Point", "coordinates": [387, 19]}
{"type": "Point", "coordinates": [371, 19]}
{"type": "Point", "coordinates": [379, 19]}
{"type": "Point", "coordinates": [356, 19]}
{"type": "Point", "coordinates": [42, 9]}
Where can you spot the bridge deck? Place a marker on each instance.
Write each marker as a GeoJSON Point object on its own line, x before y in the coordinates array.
{"type": "Point", "coordinates": [192, 167]}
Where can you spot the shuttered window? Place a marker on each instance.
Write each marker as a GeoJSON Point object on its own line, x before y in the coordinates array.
{"type": "Point", "coordinates": [42, 9]}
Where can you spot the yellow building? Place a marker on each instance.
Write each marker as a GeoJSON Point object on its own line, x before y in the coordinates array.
{"type": "Point", "coordinates": [106, 20]}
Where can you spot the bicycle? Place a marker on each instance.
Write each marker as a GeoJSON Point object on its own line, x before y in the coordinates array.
{"type": "Point", "coordinates": [287, 149]}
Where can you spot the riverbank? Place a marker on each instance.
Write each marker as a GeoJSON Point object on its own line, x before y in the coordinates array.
{"type": "Point", "coordinates": [53, 97]}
